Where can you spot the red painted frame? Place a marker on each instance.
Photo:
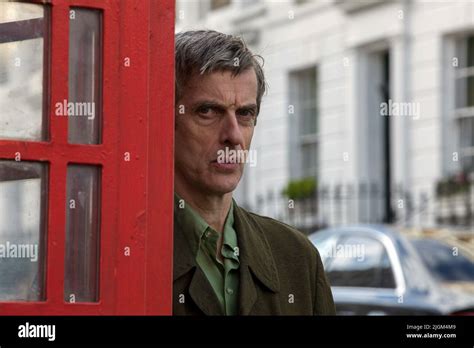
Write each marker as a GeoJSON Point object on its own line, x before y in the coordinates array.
{"type": "Point", "coordinates": [137, 195]}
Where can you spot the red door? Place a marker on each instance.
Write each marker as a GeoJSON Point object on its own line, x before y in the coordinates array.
{"type": "Point", "coordinates": [86, 157]}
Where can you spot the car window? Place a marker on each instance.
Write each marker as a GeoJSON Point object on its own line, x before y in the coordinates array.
{"type": "Point", "coordinates": [324, 243]}
{"type": "Point", "coordinates": [444, 262]}
{"type": "Point", "coordinates": [360, 262]}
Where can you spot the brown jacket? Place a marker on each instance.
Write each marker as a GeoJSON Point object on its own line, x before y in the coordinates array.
{"type": "Point", "coordinates": [280, 272]}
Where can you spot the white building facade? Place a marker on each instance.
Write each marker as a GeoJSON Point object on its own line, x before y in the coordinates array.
{"type": "Point", "coordinates": [373, 99]}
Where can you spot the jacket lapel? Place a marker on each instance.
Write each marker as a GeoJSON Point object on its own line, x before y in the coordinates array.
{"type": "Point", "coordinates": [248, 291]}
{"type": "Point", "coordinates": [203, 294]}
{"type": "Point", "coordinates": [258, 271]}
{"type": "Point", "coordinates": [200, 289]}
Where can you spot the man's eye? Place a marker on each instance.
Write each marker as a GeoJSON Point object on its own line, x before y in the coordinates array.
{"type": "Point", "coordinates": [247, 116]}
{"type": "Point", "coordinates": [206, 111]}
{"type": "Point", "coordinates": [247, 113]}
{"type": "Point", "coordinates": [203, 110]}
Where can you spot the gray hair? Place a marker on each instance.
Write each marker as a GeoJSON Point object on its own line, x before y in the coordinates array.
{"type": "Point", "coordinates": [206, 51]}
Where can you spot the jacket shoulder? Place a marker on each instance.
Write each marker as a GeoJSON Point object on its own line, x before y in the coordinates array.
{"type": "Point", "coordinates": [299, 263]}
{"type": "Point", "coordinates": [279, 232]}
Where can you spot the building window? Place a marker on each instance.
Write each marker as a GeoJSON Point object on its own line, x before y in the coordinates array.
{"type": "Point", "coordinates": [216, 4]}
{"type": "Point", "coordinates": [304, 104]}
{"type": "Point", "coordinates": [464, 101]}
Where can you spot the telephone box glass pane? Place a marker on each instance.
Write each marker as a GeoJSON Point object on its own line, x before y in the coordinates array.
{"type": "Point", "coordinates": [23, 89]}
{"type": "Point", "coordinates": [23, 201]}
{"type": "Point", "coordinates": [85, 66]}
{"type": "Point", "coordinates": [81, 278]}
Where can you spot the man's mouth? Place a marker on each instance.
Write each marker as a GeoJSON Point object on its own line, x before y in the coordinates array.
{"type": "Point", "coordinates": [224, 162]}
{"type": "Point", "coordinates": [224, 166]}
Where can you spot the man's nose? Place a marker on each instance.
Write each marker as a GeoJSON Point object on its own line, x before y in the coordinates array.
{"type": "Point", "coordinates": [230, 131]}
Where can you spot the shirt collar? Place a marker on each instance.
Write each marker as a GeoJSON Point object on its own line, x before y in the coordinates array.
{"type": "Point", "coordinates": [230, 239]}
{"type": "Point", "coordinates": [194, 226]}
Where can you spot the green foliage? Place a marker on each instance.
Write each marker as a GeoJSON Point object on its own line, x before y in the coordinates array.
{"type": "Point", "coordinates": [300, 189]}
{"type": "Point", "coordinates": [452, 185]}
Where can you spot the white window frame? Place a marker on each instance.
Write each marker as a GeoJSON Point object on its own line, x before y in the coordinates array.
{"type": "Point", "coordinates": [452, 136]}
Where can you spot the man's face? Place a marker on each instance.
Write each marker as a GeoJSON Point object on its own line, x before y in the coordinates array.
{"type": "Point", "coordinates": [215, 111]}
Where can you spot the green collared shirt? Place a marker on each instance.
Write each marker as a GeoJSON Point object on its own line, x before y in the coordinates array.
{"type": "Point", "coordinates": [223, 276]}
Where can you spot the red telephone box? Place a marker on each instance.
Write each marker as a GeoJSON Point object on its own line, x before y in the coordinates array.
{"type": "Point", "coordinates": [86, 157]}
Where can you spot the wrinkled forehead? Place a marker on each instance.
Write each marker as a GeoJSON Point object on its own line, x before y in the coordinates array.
{"type": "Point", "coordinates": [221, 86]}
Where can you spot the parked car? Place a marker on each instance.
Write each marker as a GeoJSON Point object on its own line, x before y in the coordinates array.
{"type": "Point", "coordinates": [450, 267]}
{"type": "Point", "coordinates": [375, 270]}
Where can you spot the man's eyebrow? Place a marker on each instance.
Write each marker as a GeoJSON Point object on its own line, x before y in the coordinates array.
{"type": "Point", "coordinates": [207, 103]}
{"type": "Point", "coordinates": [211, 103]}
{"type": "Point", "coordinates": [248, 106]}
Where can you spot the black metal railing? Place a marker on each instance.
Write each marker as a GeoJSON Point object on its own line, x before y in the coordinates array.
{"type": "Point", "coordinates": [366, 203]}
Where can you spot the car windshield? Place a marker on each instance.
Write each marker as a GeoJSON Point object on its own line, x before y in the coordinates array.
{"type": "Point", "coordinates": [444, 262]}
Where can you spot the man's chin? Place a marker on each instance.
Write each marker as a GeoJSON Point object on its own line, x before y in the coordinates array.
{"type": "Point", "coordinates": [223, 185]}
{"type": "Point", "coordinates": [223, 189]}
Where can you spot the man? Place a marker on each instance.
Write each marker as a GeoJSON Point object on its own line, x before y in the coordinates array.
{"type": "Point", "coordinates": [228, 261]}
